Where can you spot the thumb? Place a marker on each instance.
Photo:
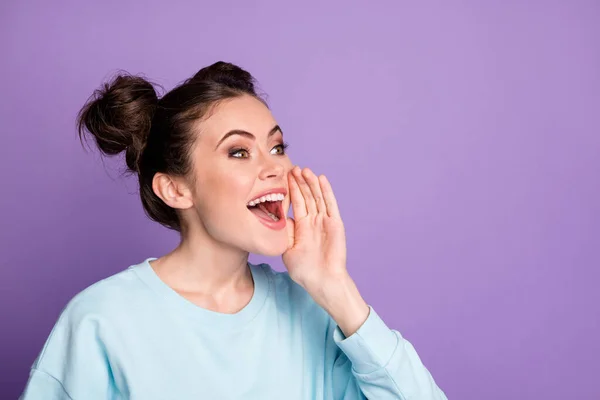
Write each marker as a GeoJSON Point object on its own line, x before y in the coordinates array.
{"type": "Point", "coordinates": [290, 226]}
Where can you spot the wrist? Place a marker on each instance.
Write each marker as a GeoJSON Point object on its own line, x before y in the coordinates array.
{"type": "Point", "coordinates": [344, 303]}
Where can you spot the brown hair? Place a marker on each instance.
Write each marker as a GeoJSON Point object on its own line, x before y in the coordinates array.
{"type": "Point", "coordinates": [126, 115]}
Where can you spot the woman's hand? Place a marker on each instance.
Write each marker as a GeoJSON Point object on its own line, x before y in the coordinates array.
{"type": "Point", "coordinates": [317, 242]}
{"type": "Point", "coordinates": [316, 255]}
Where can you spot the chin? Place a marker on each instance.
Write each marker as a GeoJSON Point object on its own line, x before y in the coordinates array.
{"type": "Point", "coordinates": [271, 249]}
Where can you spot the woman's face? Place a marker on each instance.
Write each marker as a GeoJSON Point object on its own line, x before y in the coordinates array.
{"type": "Point", "coordinates": [239, 155]}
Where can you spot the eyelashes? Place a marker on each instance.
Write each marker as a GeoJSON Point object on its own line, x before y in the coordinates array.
{"type": "Point", "coordinates": [284, 147]}
{"type": "Point", "coordinates": [238, 152]}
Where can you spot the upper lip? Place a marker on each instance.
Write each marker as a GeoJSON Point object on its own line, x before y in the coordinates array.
{"type": "Point", "coordinates": [270, 191]}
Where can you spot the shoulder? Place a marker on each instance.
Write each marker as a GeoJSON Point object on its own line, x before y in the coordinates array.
{"type": "Point", "coordinates": [106, 296]}
{"type": "Point", "coordinates": [101, 305]}
{"type": "Point", "coordinates": [85, 325]}
{"type": "Point", "coordinates": [89, 318]}
{"type": "Point", "coordinates": [74, 358]}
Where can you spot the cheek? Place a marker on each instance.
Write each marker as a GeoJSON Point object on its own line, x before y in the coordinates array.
{"type": "Point", "coordinates": [288, 164]}
{"type": "Point", "coordinates": [228, 189]}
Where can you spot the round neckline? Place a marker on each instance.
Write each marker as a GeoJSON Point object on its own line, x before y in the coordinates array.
{"type": "Point", "coordinates": [213, 319]}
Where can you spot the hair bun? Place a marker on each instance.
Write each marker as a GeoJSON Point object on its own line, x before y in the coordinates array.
{"type": "Point", "coordinates": [227, 74]}
{"type": "Point", "coordinates": [118, 116]}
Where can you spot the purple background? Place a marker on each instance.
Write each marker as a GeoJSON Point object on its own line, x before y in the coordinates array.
{"type": "Point", "coordinates": [463, 143]}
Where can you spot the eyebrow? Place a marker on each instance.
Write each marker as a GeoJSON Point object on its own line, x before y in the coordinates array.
{"type": "Point", "coordinates": [242, 132]}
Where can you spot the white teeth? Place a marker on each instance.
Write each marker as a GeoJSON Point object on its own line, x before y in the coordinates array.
{"type": "Point", "coordinates": [273, 217]}
{"type": "Point", "coordinates": [269, 197]}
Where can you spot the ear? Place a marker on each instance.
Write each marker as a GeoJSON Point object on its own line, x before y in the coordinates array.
{"type": "Point", "coordinates": [173, 191]}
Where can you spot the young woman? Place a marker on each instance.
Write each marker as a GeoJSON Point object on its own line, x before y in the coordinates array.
{"type": "Point", "coordinates": [202, 322]}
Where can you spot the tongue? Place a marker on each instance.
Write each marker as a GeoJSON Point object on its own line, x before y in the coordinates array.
{"type": "Point", "coordinates": [261, 211]}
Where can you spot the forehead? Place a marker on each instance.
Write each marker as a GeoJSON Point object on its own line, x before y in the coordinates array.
{"type": "Point", "coordinates": [244, 112]}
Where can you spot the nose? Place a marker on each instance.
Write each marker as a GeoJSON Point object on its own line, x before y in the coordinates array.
{"type": "Point", "coordinates": [271, 168]}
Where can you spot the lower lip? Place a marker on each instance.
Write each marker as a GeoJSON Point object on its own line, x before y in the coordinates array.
{"type": "Point", "coordinates": [269, 223]}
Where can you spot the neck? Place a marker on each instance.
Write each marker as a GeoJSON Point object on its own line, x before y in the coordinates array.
{"type": "Point", "coordinates": [202, 265]}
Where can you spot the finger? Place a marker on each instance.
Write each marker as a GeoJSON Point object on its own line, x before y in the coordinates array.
{"type": "Point", "coordinates": [296, 198]}
{"type": "Point", "coordinates": [332, 206]}
{"type": "Point", "coordinates": [315, 189]}
{"type": "Point", "coordinates": [290, 226]}
{"type": "Point", "coordinates": [309, 200]}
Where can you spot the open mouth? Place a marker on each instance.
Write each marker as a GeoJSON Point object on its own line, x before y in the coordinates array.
{"type": "Point", "coordinates": [269, 207]}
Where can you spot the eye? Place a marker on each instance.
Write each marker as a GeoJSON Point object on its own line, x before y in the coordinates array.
{"type": "Point", "coordinates": [280, 149]}
{"type": "Point", "coordinates": [239, 153]}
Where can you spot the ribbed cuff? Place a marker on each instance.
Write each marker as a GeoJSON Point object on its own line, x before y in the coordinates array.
{"type": "Point", "coordinates": [371, 346]}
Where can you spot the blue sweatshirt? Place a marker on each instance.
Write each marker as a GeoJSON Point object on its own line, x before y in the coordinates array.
{"type": "Point", "coordinates": [130, 336]}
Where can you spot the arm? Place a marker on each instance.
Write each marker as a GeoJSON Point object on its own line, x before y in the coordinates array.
{"type": "Point", "coordinates": [382, 363]}
{"type": "Point", "coordinates": [374, 360]}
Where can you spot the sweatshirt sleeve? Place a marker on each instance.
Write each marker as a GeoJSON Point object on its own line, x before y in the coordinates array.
{"type": "Point", "coordinates": [44, 386]}
{"type": "Point", "coordinates": [72, 364]}
{"type": "Point", "coordinates": [377, 363]}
